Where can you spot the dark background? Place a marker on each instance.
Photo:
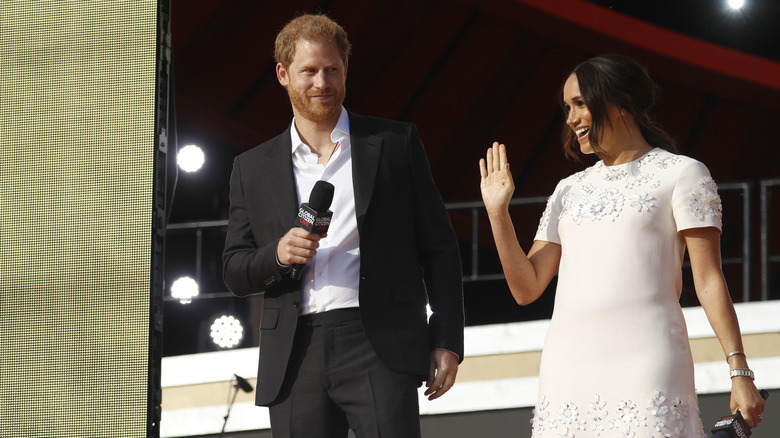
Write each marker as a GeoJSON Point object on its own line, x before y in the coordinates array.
{"type": "Point", "coordinates": [468, 73]}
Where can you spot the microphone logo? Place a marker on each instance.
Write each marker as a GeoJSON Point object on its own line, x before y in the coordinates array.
{"type": "Point", "coordinates": [305, 217]}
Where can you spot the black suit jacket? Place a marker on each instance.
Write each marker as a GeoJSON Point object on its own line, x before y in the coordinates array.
{"type": "Point", "coordinates": [408, 250]}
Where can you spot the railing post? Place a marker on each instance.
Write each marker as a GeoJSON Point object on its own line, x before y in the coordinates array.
{"type": "Point", "coordinates": [474, 243]}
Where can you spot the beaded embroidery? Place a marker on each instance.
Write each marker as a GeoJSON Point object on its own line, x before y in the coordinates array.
{"type": "Point", "coordinates": [545, 219]}
{"type": "Point", "coordinates": [705, 200]}
{"type": "Point", "coordinates": [664, 418]}
{"type": "Point", "coordinates": [590, 202]}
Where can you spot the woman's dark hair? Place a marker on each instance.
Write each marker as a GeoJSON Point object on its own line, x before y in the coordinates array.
{"type": "Point", "coordinates": [623, 82]}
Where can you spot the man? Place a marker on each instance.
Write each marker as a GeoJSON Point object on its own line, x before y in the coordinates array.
{"type": "Point", "coordinates": [346, 345]}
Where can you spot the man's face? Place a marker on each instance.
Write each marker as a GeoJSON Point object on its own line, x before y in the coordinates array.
{"type": "Point", "coordinates": [315, 81]}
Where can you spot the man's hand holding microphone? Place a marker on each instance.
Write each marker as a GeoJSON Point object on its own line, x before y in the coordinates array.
{"type": "Point", "coordinates": [299, 245]}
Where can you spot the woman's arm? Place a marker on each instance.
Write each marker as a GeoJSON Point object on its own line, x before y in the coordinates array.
{"type": "Point", "coordinates": [527, 275]}
{"type": "Point", "coordinates": [704, 251]}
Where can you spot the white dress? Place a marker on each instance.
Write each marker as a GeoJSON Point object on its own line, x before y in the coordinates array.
{"type": "Point", "coordinates": [616, 359]}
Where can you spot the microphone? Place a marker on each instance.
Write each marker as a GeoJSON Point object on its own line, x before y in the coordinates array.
{"type": "Point", "coordinates": [243, 383]}
{"type": "Point", "coordinates": [734, 426]}
{"type": "Point", "coordinates": [314, 216]}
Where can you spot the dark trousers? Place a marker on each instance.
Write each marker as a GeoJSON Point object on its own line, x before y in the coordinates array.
{"type": "Point", "coordinates": [335, 382]}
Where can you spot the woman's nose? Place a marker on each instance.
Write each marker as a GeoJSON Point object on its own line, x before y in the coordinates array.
{"type": "Point", "coordinates": [571, 117]}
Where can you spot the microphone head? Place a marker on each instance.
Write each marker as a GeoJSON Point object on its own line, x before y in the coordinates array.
{"type": "Point", "coordinates": [321, 196]}
{"type": "Point", "coordinates": [243, 383]}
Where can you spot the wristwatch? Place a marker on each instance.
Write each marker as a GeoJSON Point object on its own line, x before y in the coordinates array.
{"type": "Point", "coordinates": [742, 373]}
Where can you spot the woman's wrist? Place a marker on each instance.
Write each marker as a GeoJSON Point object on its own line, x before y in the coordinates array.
{"type": "Point", "coordinates": [737, 359]}
{"type": "Point", "coordinates": [741, 372]}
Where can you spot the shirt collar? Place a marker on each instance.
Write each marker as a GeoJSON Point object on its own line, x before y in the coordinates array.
{"type": "Point", "coordinates": [337, 135]}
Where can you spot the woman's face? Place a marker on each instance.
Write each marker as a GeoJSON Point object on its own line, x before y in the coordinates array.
{"type": "Point", "coordinates": [578, 116]}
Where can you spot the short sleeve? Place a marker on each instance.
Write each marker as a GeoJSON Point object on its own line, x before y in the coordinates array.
{"type": "Point", "coordinates": [548, 224]}
{"type": "Point", "coordinates": [695, 200]}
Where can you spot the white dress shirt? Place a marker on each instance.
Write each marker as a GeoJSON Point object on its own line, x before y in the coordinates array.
{"type": "Point", "coordinates": [331, 280]}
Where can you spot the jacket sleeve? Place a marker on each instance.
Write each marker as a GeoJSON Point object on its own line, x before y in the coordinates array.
{"type": "Point", "coordinates": [249, 262]}
{"type": "Point", "coordinates": [439, 253]}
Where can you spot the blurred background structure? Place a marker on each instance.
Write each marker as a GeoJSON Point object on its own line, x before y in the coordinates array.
{"type": "Point", "coordinates": [468, 73]}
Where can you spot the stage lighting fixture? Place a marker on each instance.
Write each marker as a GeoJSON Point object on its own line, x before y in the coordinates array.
{"type": "Point", "coordinates": [736, 4]}
{"type": "Point", "coordinates": [227, 331]}
{"type": "Point", "coordinates": [184, 289]}
{"type": "Point", "coordinates": [190, 158]}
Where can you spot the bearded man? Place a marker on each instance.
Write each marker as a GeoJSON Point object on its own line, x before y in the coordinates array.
{"type": "Point", "coordinates": [346, 344]}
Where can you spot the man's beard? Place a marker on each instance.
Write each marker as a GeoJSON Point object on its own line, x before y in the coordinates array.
{"type": "Point", "coordinates": [313, 110]}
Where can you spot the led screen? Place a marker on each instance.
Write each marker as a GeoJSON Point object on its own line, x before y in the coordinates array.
{"type": "Point", "coordinates": [77, 148]}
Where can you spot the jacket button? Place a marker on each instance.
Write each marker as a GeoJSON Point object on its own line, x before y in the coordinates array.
{"type": "Point", "coordinates": [295, 303]}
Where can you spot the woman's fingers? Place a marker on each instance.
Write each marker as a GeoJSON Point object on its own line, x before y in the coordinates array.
{"type": "Point", "coordinates": [494, 161]}
{"type": "Point", "coordinates": [496, 157]}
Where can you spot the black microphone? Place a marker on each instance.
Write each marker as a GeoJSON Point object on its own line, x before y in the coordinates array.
{"type": "Point", "coordinates": [734, 426]}
{"type": "Point", "coordinates": [243, 383]}
{"type": "Point", "coordinates": [314, 216]}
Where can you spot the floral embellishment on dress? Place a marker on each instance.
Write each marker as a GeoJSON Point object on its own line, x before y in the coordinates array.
{"type": "Point", "coordinates": [665, 418]}
{"type": "Point", "coordinates": [597, 414]}
{"type": "Point", "coordinates": [629, 414]}
{"type": "Point", "coordinates": [579, 214]}
{"type": "Point", "coordinates": [545, 216]}
{"type": "Point", "coordinates": [665, 160]}
{"type": "Point", "coordinates": [658, 410]}
{"type": "Point", "coordinates": [540, 413]}
{"type": "Point", "coordinates": [635, 181]}
{"type": "Point", "coordinates": [679, 409]}
{"type": "Point", "coordinates": [609, 203]}
{"type": "Point", "coordinates": [705, 200]}
{"type": "Point", "coordinates": [567, 413]}
{"type": "Point", "coordinates": [579, 176]}
{"type": "Point", "coordinates": [642, 202]}
{"type": "Point", "coordinates": [615, 174]}
{"type": "Point", "coordinates": [646, 158]}
{"type": "Point", "coordinates": [588, 188]}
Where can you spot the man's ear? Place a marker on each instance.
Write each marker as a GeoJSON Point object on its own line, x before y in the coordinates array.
{"type": "Point", "coordinates": [282, 75]}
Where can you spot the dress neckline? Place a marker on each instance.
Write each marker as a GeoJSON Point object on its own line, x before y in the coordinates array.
{"type": "Point", "coordinates": [635, 160]}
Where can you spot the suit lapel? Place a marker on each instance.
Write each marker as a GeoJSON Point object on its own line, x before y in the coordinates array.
{"type": "Point", "coordinates": [366, 150]}
{"type": "Point", "coordinates": [277, 165]}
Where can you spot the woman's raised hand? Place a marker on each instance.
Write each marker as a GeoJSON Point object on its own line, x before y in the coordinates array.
{"type": "Point", "coordinates": [496, 180]}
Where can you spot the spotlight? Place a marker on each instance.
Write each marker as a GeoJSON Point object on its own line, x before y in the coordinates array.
{"type": "Point", "coordinates": [184, 289]}
{"type": "Point", "coordinates": [736, 4]}
{"type": "Point", "coordinates": [226, 331]}
{"type": "Point", "coordinates": [190, 158]}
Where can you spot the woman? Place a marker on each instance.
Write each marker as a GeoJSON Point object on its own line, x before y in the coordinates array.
{"type": "Point", "coordinates": [616, 360]}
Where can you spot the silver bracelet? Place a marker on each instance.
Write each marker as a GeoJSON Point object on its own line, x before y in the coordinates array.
{"type": "Point", "coordinates": [734, 353]}
{"type": "Point", "coordinates": [739, 372]}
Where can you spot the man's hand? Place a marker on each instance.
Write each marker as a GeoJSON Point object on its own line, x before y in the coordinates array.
{"type": "Point", "coordinates": [444, 368]}
{"type": "Point", "coordinates": [297, 247]}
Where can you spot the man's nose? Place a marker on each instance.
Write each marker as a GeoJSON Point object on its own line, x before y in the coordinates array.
{"type": "Point", "coordinates": [320, 81]}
